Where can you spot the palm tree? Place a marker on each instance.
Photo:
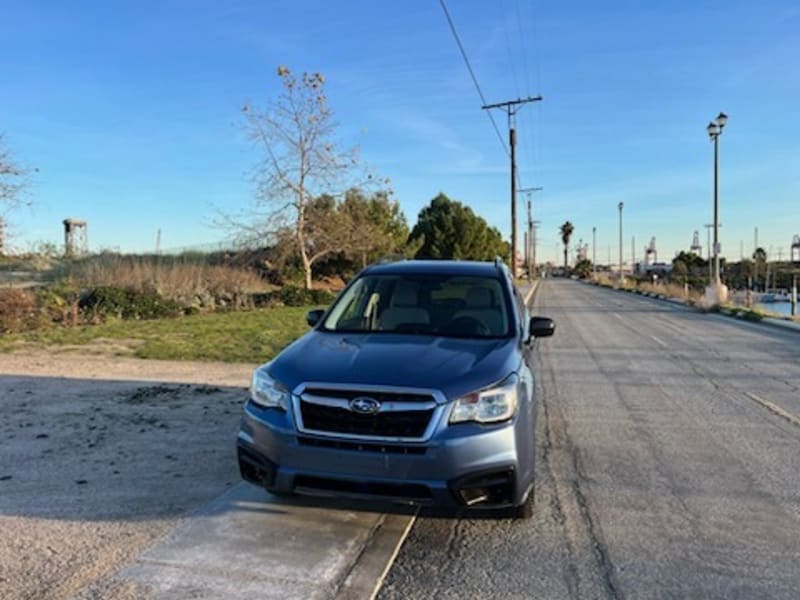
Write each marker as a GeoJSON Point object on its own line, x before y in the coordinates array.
{"type": "Point", "coordinates": [566, 233]}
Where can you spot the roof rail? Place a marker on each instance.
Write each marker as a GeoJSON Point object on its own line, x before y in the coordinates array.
{"type": "Point", "coordinates": [390, 258]}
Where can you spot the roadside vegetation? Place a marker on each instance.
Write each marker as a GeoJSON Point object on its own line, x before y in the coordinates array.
{"type": "Point", "coordinates": [252, 336]}
{"type": "Point", "coordinates": [318, 217]}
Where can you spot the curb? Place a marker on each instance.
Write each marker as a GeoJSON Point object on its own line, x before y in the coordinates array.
{"type": "Point", "coordinates": [528, 295]}
{"type": "Point", "coordinates": [367, 575]}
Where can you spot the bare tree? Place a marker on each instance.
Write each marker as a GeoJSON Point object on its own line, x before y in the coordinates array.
{"type": "Point", "coordinates": [13, 179]}
{"type": "Point", "coordinates": [303, 168]}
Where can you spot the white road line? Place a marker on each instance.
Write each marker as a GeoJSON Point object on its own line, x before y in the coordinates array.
{"type": "Point", "coordinates": [661, 343]}
{"type": "Point", "coordinates": [793, 419]}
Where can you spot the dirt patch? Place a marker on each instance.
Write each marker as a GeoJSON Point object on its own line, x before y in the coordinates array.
{"type": "Point", "coordinates": [100, 457]}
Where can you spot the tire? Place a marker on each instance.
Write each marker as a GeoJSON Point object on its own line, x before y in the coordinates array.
{"type": "Point", "coordinates": [524, 510]}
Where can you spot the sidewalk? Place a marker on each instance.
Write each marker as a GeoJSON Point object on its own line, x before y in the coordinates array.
{"type": "Point", "coordinates": [248, 544]}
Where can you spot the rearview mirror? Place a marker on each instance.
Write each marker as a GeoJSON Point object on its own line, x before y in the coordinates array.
{"type": "Point", "coordinates": [313, 316]}
{"type": "Point", "coordinates": [542, 327]}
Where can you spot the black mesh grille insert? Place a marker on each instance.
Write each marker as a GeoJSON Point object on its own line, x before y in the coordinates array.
{"type": "Point", "coordinates": [399, 424]}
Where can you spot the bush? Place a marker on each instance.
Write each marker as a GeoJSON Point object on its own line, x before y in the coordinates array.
{"type": "Point", "coordinates": [17, 310]}
{"type": "Point", "coordinates": [59, 304]}
{"type": "Point", "coordinates": [322, 297]}
{"type": "Point", "coordinates": [110, 301]}
{"type": "Point", "coordinates": [290, 295]}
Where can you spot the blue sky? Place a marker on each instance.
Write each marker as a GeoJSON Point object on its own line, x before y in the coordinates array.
{"type": "Point", "coordinates": [131, 111]}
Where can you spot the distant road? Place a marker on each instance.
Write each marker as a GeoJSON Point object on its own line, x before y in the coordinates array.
{"type": "Point", "coordinates": [668, 465]}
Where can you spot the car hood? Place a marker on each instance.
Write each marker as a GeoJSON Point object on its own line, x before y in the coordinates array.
{"type": "Point", "coordinates": [453, 366]}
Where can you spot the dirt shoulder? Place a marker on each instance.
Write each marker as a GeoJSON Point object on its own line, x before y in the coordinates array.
{"type": "Point", "coordinates": [99, 456]}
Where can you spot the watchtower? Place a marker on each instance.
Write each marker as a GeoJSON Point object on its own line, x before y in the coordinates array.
{"type": "Point", "coordinates": [76, 242]}
{"type": "Point", "coordinates": [696, 247]}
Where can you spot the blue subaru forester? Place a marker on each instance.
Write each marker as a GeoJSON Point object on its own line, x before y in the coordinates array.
{"type": "Point", "coordinates": [412, 387]}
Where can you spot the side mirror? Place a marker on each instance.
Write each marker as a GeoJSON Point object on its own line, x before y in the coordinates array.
{"type": "Point", "coordinates": [542, 327]}
{"type": "Point", "coordinates": [313, 316]}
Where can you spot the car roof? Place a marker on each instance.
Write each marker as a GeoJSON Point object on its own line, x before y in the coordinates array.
{"type": "Point", "coordinates": [439, 267]}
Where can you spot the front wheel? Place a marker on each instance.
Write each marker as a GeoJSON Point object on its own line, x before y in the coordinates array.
{"type": "Point", "coordinates": [524, 510]}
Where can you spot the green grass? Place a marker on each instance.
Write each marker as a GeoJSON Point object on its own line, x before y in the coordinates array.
{"type": "Point", "coordinates": [247, 336]}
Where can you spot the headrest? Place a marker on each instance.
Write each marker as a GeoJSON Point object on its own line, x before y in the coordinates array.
{"type": "Point", "coordinates": [479, 297]}
{"type": "Point", "coordinates": [405, 293]}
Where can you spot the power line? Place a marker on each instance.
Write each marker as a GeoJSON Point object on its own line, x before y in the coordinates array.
{"type": "Point", "coordinates": [472, 73]}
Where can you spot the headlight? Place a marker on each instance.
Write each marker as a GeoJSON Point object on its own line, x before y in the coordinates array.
{"type": "Point", "coordinates": [487, 406]}
{"type": "Point", "coordinates": [267, 392]}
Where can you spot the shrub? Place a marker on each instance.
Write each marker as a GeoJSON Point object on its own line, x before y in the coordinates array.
{"type": "Point", "coordinates": [17, 310]}
{"type": "Point", "coordinates": [290, 295]}
{"type": "Point", "coordinates": [322, 297]}
{"type": "Point", "coordinates": [110, 301]}
{"type": "Point", "coordinates": [59, 304]}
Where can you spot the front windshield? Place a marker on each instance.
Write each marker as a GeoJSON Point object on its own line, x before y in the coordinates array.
{"type": "Point", "coordinates": [441, 305]}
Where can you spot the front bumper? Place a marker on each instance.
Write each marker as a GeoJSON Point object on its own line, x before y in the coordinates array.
{"type": "Point", "coordinates": [463, 465]}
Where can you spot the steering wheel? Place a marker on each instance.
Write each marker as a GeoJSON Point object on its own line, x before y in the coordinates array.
{"type": "Point", "coordinates": [468, 325]}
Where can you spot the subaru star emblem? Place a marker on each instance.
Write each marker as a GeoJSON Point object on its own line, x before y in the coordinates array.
{"type": "Point", "coordinates": [364, 405]}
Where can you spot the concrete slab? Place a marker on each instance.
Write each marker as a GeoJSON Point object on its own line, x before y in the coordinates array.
{"type": "Point", "coordinates": [248, 544]}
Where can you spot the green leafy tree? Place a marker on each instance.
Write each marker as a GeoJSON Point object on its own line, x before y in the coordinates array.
{"type": "Point", "coordinates": [583, 268]}
{"type": "Point", "coordinates": [566, 234]}
{"type": "Point", "coordinates": [448, 229]}
{"type": "Point", "coordinates": [679, 271]}
{"type": "Point", "coordinates": [376, 226]}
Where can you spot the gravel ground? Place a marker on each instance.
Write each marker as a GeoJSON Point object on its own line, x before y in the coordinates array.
{"type": "Point", "coordinates": [101, 456]}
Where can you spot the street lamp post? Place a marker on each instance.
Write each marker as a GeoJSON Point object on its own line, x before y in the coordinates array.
{"type": "Point", "coordinates": [594, 250]}
{"type": "Point", "coordinates": [716, 293]}
{"type": "Point", "coordinates": [619, 206]}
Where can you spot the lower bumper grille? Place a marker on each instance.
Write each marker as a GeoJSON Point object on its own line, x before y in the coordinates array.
{"type": "Point", "coordinates": [408, 491]}
{"type": "Point", "coordinates": [361, 446]}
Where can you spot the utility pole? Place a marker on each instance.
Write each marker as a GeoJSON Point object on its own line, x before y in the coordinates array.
{"type": "Point", "coordinates": [755, 259]}
{"type": "Point", "coordinates": [594, 250]}
{"type": "Point", "coordinates": [620, 206]}
{"type": "Point", "coordinates": [534, 224]}
{"type": "Point", "coordinates": [2, 238]}
{"type": "Point", "coordinates": [527, 247]}
{"type": "Point", "coordinates": [510, 107]}
{"type": "Point", "coordinates": [633, 253]}
{"type": "Point", "coordinates": [531, 237]}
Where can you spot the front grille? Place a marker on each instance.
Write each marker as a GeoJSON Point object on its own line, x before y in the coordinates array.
{"type": "Point", "coordinates": [394, 424]}
{"type": "Point", "coordinates": [382, 397]}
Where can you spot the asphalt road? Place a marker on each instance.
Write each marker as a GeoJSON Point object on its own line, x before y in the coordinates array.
{"type": "Point", "coordinates": [668, 465]}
